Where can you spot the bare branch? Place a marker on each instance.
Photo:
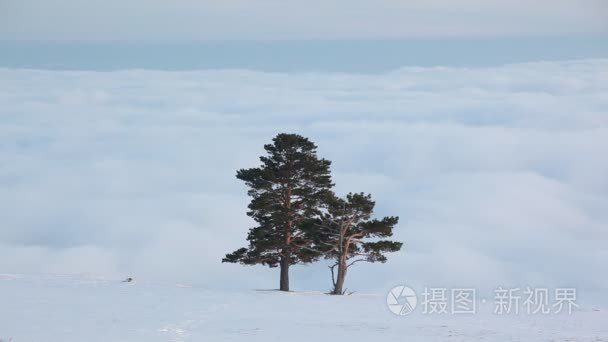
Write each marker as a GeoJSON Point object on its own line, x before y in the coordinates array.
{"type": "Point", "coordinates": [354, 262]}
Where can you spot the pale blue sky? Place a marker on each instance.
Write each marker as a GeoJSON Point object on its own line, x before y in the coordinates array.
{"type": "Point", "coordinates": [286, 35]}
{"type": "Point", "coordinates": [188, 20]}
{"type": "Point", "coordinates": [361, 56]}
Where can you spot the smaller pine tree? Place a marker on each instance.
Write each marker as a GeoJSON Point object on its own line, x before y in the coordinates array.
{"type": "Point", "coordinates": [347, 234]}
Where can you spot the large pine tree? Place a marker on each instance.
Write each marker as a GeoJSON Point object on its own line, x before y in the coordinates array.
{"type": "Point", "coordinates": [346, 233]}
{"type": "Point", "coordinates": [286, 190]}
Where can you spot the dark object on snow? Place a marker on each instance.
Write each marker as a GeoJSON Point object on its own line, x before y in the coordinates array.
{"type": "Point", "coordinates": [128, 280]}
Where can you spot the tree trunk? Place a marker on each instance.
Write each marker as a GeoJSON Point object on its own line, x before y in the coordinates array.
{"type": "Point", "coordinates": [284, 286]}
{"type": "Point", "coordinates": [338, 288]}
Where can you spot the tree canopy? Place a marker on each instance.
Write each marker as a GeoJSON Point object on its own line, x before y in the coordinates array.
{"type": "Point", "coordinates": [287, 189]}
{"type": "Point", "coordinates": [346, 233]}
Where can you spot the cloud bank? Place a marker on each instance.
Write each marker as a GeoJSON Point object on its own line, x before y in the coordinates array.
{"type": "Point", "coordinates": [498, 174]}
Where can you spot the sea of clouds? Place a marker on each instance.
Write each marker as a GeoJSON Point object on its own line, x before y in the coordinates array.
{"type": "Point", "coordinates": [499, 175]}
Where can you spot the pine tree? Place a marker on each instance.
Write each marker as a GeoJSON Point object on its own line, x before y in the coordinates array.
{"type": "Point", "coordinates": [347, 234]}
{"type": "Point", "coordinates": [286, 190]}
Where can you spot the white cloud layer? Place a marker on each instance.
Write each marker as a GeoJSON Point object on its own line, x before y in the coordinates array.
{"type": "Point", "coordinates": [498, 174]}
{"type": "Point", "coordinates": [291, 19]}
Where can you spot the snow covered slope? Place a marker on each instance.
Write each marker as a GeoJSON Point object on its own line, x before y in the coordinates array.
{"type": "Point", "coordinates": [67, 308]}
